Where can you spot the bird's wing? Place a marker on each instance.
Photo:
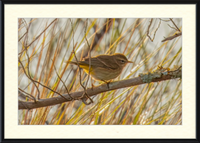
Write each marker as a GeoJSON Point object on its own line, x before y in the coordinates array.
{"type": "Point", "coordinates": [103, 62]}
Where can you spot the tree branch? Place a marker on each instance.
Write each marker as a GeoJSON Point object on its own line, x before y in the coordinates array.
{"type": "Point", "coordinates": [142, 79]}
{"type": "Point", "coordinates": [172, 37]}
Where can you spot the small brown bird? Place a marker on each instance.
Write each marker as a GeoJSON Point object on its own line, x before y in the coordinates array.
{"type": "Point", "coordinates": [104, 67]}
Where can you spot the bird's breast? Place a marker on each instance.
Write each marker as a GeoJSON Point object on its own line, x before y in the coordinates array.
{"type": "Point", "coordinates": [104, 74]}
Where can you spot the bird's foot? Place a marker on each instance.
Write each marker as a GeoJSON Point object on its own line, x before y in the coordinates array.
{"type": "Point", "coordinates": [107, 82]}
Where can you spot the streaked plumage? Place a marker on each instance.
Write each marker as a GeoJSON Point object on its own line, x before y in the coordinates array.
{"type": "Point", "coordinates": [104, 67]}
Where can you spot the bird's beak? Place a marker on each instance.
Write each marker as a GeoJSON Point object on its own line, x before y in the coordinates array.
{"type": "Point", "coordinates": [130, 62]}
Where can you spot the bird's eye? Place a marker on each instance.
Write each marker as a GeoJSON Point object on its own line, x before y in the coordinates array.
{"type": "Point", "coordinates": [122, 61]}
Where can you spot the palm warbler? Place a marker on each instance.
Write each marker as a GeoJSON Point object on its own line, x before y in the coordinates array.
{"type": "Point", "coordinates": [104, 67]}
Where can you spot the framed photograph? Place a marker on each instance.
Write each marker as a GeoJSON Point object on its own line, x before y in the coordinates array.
{"type": "Point", "coordinates": [75, 71]}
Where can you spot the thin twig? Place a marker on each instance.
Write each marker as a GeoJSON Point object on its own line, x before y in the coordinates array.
{"type": "Point", "coordinates": [79, 66]}
{"type": "Point", "coordinates": [149, 28]}
{"type": "Point", "coordinates": [172, 27]}
{"type": "Point", "coordinates": [30, 96]}
{"type": "Point", "coordinates": [41, 83]}
{"type": "Point", "coordinates": [155, 30]}
{"type": "Point", "coordinates": [175, 25]}
{"type": "Point", "coordinates": [39, 35]}
{"type": "Point", "coordinates": [22, 36]}
{"type": "Point", "coordinates": [164, 20]}
{"type": "Point", "coordinates": [172, 37]}
{"type": "Point", "coordinates": [30, 75]}
{"type": "Point", "coordinates": [178, 69]}
{"type": "Point", "coordinates": [26, 31]}
{"type": "Point", "coordinates": [62, 81]}
{"type": "Point", "coordinates": [89, 53]}
{"type": "Point", "coordinates": [175, 35]}
{"type": "Point", "coordinates": [28, 63]}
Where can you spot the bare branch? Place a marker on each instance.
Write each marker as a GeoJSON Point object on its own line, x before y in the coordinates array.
{"type": "Point", "coordinates": [172, 37]}
{"type": "Point", "coordinates": [155, 30]}
{"type": "Point", "coordinates": [84, 94]}
{"type": "Point", "coordinates": [167, 75]}
{"type": "Point", "coordinates": [61, 80]}
{"type": "Point", "coordinates": [164, 20]}
{"type": "Point", "coordinates": [38, 36]}
{"type": "Point", "coordinates": [172, 27]}
{"type": "Point", "coordinates": [40, 83]}
{"type": "Point", "coordinates": [26, 31]}
{"type": "Point", "coordinates": [177, 34]}
{"type": "Point", "coordinates": [175, 25]}
{"type": "Point", "coordinates": [23, 95]}
{"type": "Point", "coordinates": [30, 74]}
{"type": "Point", "coordinates": [149, 28]}
{"type": "Point", "coordinates": [89, 53]}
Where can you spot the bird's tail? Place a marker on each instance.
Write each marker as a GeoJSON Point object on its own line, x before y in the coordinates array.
{"type": "Point", "coordinates": [70, 62]}
{"type": "Point", "coordinates": [81, 64]}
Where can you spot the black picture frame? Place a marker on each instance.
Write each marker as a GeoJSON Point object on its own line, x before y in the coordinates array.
{"type": "Point", "coordinates": [2, 127]}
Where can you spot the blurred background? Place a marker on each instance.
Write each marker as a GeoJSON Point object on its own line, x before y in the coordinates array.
{"type": "Point", "coordinates": [51, 42]}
